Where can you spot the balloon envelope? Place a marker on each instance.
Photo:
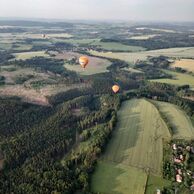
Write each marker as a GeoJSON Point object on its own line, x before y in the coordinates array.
{"type": "Point", "coordinates": [115, 88]}
{"type": "Point", "coordinates": [83, 61]}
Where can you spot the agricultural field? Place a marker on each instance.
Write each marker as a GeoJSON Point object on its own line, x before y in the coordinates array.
{"type": "Point", "coordinates": [156, 29]}
{"type": "Point", "coordinates": [5, 46]}
{"type": "Point", "coordinates": [113, 178]}
{"type": "Point", "coordinates": [109, 46]}
{"type": "Point", "coordinates": [143, 37]}
{"type": "Point", "coordinates": [132, 70]}
{"type": "Point", "coordinates": [21, 36]}
{"type": "Point", "coordinates": [181, 123]}
{"type": "Point", "coordinates": [154, 183]}
{"type": "Point", "coordinates": [96, 65]}
{"type": "Point", "coordinates": [29, 55]}
{"type": "Point", "coordinates": [115, 46]}
{"type": "Point", "coordinates": [136, 142]}
{"type": "Point", "coordinates": [133, 57]}
{"type": "Point", "coordinates": [178, 79]}
{"type": "Point", "coordinates": [187, 64]}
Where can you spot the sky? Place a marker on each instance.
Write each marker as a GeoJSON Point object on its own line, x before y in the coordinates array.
{"type": "Point", "coordinates": [129, 10]}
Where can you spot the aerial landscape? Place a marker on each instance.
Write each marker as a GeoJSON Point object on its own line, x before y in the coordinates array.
{"type": "Point", "coordinates": [96, 106]}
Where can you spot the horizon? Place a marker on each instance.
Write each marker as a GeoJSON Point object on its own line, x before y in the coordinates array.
{"type": "Point", "coordinates": [51, 20]}
{"type": "Point", "coordinates": [98, 10]}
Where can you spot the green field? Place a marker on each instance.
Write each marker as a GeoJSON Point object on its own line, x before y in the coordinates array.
{"type": "Point", "coordinates": [140, 130]}
{"type": "Point", "coordinates": [186, 52]}
{"type": "Point", "coordinates": [5, 46]}
{"type": "Point", "coordinates": [115, 46]}
{"type": "Point", "coordinates": [109, 46]}
{"type": "Point", "coordinates": [136, 142]}
{"type": "Point", "coordinates": [29, 55]}
{"type": "Point", "coordinates": [91, 69]}
{"type": "Point", "coordinates": [154, 183]}
{"type": "Point", "coordinates": [178, 79]}
{"type": "Point", "coordinates": [178, 119]}
{"type": "Point", "coordinates": [118, 179]}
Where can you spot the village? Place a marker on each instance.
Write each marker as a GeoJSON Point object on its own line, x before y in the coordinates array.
{"type": "Point", "coordinates": [183, 163]}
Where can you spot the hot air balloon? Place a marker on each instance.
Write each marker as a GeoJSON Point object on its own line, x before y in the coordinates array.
{"type": "Point", "coordinates": [115, 88]}
{"type": "Point", "coordinates": [83, 61]}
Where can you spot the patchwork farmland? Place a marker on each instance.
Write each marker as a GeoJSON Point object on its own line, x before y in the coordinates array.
{"type": "Point", "coordinates": [187, 64]}
{"type": "Point", "coordinates": [186, 52]}
{"type": "Point", "coordinates": [178, 79]}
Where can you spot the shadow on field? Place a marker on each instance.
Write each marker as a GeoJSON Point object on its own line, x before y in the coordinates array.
{"type": "Point", "coordinates": [107, 179]}
{"type": "Point", "coordinates": [125, 135]}
{"type": "Point", "coordinates": [115, 185]}
{"type": "Point", "coordinates": [133, 130]}
{"type": "Point", "coordinates": [169, 119]}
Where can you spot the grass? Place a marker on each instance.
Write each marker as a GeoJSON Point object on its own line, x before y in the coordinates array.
{"type": "Point", "coordinates": [95, 65]}
{"type": "Point", "coordinates": [187, 64]}
{"type": "Point", "coordinates": [186, 52]}
{"type": "Point", "coordinates": [136, 144]}
{"type": "Point", "coordinates": [132, 70]}
{"type": "Point", "coordinates": [109, 46]}
{"type": "Point", "coordinates": [29, 55]}
{"type": "Point", "coordinates": [5, 46]}
{"type": "Point", "coordinates": [156, 29]}
{"type": "Point", "coordinates": [90, 69]}
{"type": "Point", "coordinates": [143, 37]}
{"type": "Point", "coordinates": [21, 47]}
{"type": "Point", "coordinates": [179, 79]}
{"type": "Point", "coordinates": [180, 121]}
{"type": "Point", "coordinates": [78, 41]}
{"type": "Point", "coordinates": [115, 46]}
{"type": "Point", "coordinates": [140, 129]}
{"type": "Point", "coordinates": [118, 179]}
{"type": "Point", "coordinates": [154, 183]}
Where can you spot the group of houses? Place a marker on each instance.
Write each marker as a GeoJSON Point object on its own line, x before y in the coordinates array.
{"type": "Point", "coordinates": [180, 157]}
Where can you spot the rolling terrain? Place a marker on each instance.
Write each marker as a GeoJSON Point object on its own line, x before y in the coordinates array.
{"type": "Point", "coordinates": [135, 56]}
{"type": "Point", "coordinates": [136, 145]}
{"type": "Point", "coordinates": [180, 121]}
{"type": "Point", "coordinates": [63, 129]}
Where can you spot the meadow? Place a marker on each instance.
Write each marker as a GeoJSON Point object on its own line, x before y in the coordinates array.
{"type": "Point", "coordinates": [182, 125]}
{"type": "Point", "coordinates": [113, 178]}
{"type": "Point", "coordinates": [143, 37]}
{"type": "Point", "coordinates": [178, 79]}
{"type": "Point", "coordinates": [186, 52]}
{"type": "Point", "coordinates": [154, 183]}
{"type": "Point", "coordinates": [187, 64]}
{"type": "Point", "coordinates": [29, 55]}
{"type": "Point", "coordinates": [95, 65]}
{"type": "Point", "coordinates": [137, 142]}
{"type": "Point", "coordinates": [108, 46]}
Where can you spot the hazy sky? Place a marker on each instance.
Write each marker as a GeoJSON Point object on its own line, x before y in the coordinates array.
{"type": "Point", "coordinates": [163, 10]}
